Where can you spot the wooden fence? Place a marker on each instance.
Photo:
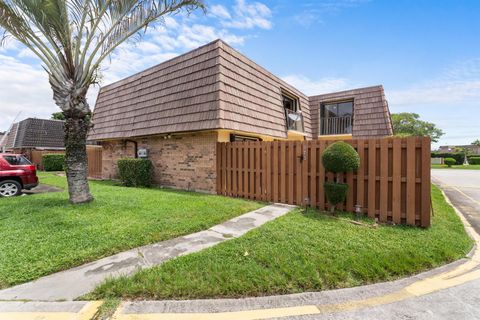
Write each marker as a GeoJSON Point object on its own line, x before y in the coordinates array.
{"type": "Point", "coordinates": [94, 155]}
{"type": "Point", "coordinates": [392, 183]}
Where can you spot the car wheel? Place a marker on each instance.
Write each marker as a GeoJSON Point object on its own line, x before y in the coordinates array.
{"type": "Point", "coordinates": [10, 188]}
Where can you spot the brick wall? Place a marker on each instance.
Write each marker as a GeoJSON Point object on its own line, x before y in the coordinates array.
{"type": "Point", "coordinates": [184, 161]}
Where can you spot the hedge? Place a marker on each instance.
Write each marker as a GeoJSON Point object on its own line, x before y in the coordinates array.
{"type": "Point", "coordinates": [458, 156]}
{"type": "Point", "coordinates": [135, 172]}
{"type": "Point", "coordinates": [53, 162]}
{"type": "Point", "coordinates": [474, 160]}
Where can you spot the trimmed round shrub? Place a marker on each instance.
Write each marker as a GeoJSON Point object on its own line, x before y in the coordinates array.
{"type": "Point", "coordinates": [53, 162]}
{"type": "Point", "coordinates": [449, 161]}
{"type": "Point", "coordinates": [135, 172]}
{"type": "Point", "coordinates": [336, 192]}
{"type": "Point", "coordinates": [474, 160]}
{"type": "Point", "coordinates": [340, 157]}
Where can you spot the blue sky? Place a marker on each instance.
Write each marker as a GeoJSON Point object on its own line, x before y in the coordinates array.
{"type": "Point", "coordinates": [425, 53]}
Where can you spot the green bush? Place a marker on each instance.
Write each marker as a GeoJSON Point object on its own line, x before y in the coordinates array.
{"type": "Point", "coordinates": [53, 162]}
{"type": "Point", "coordinates": [340, 157]}
{"type": "Point", "coordinates": [474, 160]}
{"type": "Point", "coordinates": [449, 161]}
{"type": "Point", "coordinates": [336, 192]}
{"type": "Point", "coordinates": [135, 172]}
{"type": "Point", "coordinates": [458, 156]}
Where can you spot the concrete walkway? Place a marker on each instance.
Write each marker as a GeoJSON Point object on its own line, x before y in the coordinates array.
{"type": "Point", "coordinates": [70, 284]}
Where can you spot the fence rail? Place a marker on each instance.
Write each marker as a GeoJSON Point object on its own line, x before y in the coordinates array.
{"type": "Point", "coordinates": [392, 183]}
{"type": "Point", "coordinates": [94, 156]}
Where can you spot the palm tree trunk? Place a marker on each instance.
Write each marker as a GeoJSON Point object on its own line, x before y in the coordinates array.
{"type": "Point", "coordinates": [76, 159]}
{"type": "Point", "coordinates": [72, 100]}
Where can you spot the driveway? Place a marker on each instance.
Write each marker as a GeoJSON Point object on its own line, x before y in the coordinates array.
{"type": "Point", "coordinates": [463, 189]}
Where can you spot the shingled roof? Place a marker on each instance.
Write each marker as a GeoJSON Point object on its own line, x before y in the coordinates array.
{"type": "Point", "coordinates": [371, 116]}
{"type": "Point", "coordinates": [36, 133]}
{"type": "Point", "coordinates": [217, 87]}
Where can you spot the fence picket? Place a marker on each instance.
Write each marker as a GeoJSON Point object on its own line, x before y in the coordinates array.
{"type": "Point", "coordinates": [292, 172]}
{"type": "Point", "coordinates": [372, 176]}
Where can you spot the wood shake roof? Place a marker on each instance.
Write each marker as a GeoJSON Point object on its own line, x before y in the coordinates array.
{"type": "Point", "coordinates": [212, 87]}
{"type": "Point", "coordinates": [371, 116]}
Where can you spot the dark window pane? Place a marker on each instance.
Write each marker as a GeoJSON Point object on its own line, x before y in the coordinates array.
{"type": "Point", "coordinates": [288, 103]}
{"type": "Point", "coordinates": [345, 109]}
{"type": "Point", "coordinates": [17, 160]}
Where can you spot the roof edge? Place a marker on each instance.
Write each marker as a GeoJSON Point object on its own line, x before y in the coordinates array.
{"type": "Point", "coordinates": [378, 87]}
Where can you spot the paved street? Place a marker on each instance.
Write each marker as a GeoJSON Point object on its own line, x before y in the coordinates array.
{"type": "Point", "coordinates": [463, 189]}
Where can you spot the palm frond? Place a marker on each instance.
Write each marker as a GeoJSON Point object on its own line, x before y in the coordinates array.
{"type": "Point", "coordinates": [73, 37]}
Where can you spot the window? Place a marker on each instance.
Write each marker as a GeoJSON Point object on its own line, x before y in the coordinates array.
{"type": "Point", "coordinates": [239, 138]}
{"type": "Point", "coordinates": [293, 114]}
{"type": "Point", "coordinates": [17, 160]}
{"type": "Point", "coordinates": [336, 118]}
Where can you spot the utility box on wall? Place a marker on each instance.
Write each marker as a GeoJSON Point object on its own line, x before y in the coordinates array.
{"type": "Point", "coordinates": [142, 153]}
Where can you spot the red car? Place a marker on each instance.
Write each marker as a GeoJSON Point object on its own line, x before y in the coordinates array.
{"type": "Point", "coordinates": [16, 173]}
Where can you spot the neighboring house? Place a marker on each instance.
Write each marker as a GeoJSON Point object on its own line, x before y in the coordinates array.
{"type": "Point", "coordinates": [34, 134]}
{"type": "Point", "coordinates": [179, 109]}
{"type": "Point", "coordinates": [472, 148]}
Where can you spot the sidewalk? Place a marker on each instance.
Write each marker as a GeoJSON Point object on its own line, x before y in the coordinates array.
{"type": "Point", "coordinates": [70, 284]}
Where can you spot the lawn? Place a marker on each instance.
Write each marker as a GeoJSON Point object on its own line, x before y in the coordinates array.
{"type": "Point", "coordinates": [460, 167]}
{"type": "Point", "coordinates": [300, 252]}
{"type": "Point", "coordinates": [43, 233]}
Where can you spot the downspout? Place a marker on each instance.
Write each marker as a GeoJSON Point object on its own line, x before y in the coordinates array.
{"type": "Point", "coordinates": [136, 146]}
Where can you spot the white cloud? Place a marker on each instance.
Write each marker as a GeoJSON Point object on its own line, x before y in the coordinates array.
{"type": "Point", "coordinates": [220, 11]}
{"type": "Point", "coordinates": [459, 84]}
{"type": "Point", "coordinates": [244, 15]}
{"type": "Point", "coordinates": [315, 11]}
{"type": "Point", "coordinates": [25, 89]}
{"type": "Point", "coordinates": [314, 87]}
{"type": "Point", "coordinates": [25, 84]}
{"type": "Point", "coordinates": [307, 18]}
{"type": "Point", "coordinates": [437, 93]}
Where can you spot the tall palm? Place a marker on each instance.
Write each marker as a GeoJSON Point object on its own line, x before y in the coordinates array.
{"type": "Point", "coordinates": [72, 38]}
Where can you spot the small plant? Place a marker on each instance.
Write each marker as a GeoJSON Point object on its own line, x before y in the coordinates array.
{"type": "Point", "coordinates": [135, 172]}
{"type": "Point", "coordinates": [449, 162]}
{"type": "Point", "coordinates": [474, 160]}
{"type": "Point", "coordinates": [339, 157]}
{"type": "Point", "coordinates": [53, 162]}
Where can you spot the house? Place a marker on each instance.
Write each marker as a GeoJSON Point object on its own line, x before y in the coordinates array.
{"type": "Point", "coordinates": [34, 134]}
{"type": "Point", "coordinates": [472, 149]}
{"type": "Point", "coordinates": [177, 111]}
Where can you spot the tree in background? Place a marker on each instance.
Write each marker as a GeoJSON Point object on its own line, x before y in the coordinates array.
{"type": "Point", "coordinates": [72, 38]}
{"type": "Point", "coordinates": [409, 124]}
{"type": "Point", "coordinates": [476, 142]}
{"type": "Point", "coordinates": [58, 116]}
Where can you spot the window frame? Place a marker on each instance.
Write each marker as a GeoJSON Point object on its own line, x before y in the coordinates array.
{"type": "Point", "coordinates": [332, 102]}
{"type": "Point", "coordinates": [297, 108]}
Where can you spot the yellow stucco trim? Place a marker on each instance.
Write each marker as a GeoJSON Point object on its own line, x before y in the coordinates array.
{"type": "Point", "coordinates": [336, 137]}
{"type": "Point", "coordinates": [296, 135]}
{"type": "Point", "coordinates": [224, 135]}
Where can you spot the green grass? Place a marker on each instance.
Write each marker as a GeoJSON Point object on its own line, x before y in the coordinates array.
{"type": "Point", "coordinates": [460, 167]}
{"type": "Point", "coordinates": [42, 234]}
{"type": "Point", "coordinates": [301, 252]}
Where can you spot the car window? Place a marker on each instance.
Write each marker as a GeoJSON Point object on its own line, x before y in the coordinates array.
{"type": "Point", "coordinates": [17, 160]}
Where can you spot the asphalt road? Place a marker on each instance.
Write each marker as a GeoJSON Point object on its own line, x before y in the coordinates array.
{"type": "Point", "coordinates": [463, 189]}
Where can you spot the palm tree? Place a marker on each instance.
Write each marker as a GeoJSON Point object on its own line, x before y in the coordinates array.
{"type": "Point", "coordinates": [72, 38]}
